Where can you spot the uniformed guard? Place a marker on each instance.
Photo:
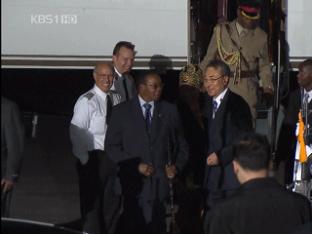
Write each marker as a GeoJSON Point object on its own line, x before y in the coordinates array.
{"type": "Point", "coordinates": [243, 46]}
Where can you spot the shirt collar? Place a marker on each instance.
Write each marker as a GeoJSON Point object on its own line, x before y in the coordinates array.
{"type": "Point", "coordinates": [241, 29]}
{"type": "Point", "coordinates": [98, 91]}
{"type": "Point", "coordinates": [219, 98]}
{"type": "Point", "coordinates": [310, 94]}
{"type": "Point", "coordinates": [142, 102]}
{"type": "Point", "coordinates": [118, 73]}
{"type": "Point", "coordinates": [260, 183]}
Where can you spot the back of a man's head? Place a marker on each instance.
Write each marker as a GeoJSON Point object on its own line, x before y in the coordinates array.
{"type": "Point", "coordinates": [252, 152]}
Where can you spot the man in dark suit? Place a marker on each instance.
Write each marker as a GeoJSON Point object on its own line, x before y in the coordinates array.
{"type": "Point", "coordinates": [12, 145]}
{"type": "Point", "coordinates": [226, 114]}
{"type": "Point", "coordinates": [297, 100]}
{"type": "Point", "coordinates": [145, 139]}
{"type": "Point", "coordinates": [260, 205]}
{"type": "Point", "coordinates": [123, 58]}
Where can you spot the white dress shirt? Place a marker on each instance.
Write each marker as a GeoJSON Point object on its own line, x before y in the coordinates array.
{"type": "Point", "coordinates": [88, 125]}
{"type": "Point", "coordinates": [142, 102]}
{"type": "Point", "coordinates": [219, 98]}
{"type": "Point", "coordinates": [120, 77]}
{"type": "Point", "coordinates": [309, 93]}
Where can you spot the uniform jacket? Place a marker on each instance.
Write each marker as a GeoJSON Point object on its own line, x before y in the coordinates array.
{"type": "Point", "coordinates": [232, 117]}
{"type": "Point", "coordinates": [12, 139]}
{"type": "Point", "coordinates": [260, 206]}
{"type": "Point", "coordinates": [254, 48]}
{"type": "Point", "coordinates": [128, 143]}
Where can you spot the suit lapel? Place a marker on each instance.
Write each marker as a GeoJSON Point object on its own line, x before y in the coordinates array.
{"type": "Point", "coordinates": [233, 33]}
{"type": "Point", "coordinates": [119, 87]}
{"type": "Point", "coordinates": [221, 108]}
{"type": "Point", "coordinates": [156, 121]}
{"type": "Point", "coordinates": [138, 119]}
{"type": "Point", "coordinates": [216, 124]}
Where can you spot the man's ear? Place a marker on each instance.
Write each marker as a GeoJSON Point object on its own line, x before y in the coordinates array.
{"type": "Point", "coordinates": [236, 167]}
{"type": "Point", "coordinates": [114, 58]}
{"type": "Point", "coordinates": [226, 80]}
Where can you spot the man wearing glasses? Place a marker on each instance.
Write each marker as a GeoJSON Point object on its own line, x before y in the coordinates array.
{"type": "Point", "coordinates": [226, 114]}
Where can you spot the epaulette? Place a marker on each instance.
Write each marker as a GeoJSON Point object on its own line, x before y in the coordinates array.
{"type": "Point", "coordinates": [88, 95]}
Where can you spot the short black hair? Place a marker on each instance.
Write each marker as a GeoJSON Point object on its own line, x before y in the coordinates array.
{"type": "Point", "coordinates": [121, 44]}
{"type": "Point", "coordinates": [220, 65]}
{"type": "Point", "coordinates": [305, 63]}
{"type": "Point", "coordinates": [252, 151]}
{"type": "Point", "coordinates": [142, 78]}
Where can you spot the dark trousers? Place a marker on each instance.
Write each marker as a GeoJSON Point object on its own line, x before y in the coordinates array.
{"type": "Point", "coordinates": [213, 198]}
{"type": "Point", "coordinates": [6, 203]}
{"type": "Point", "coordinates": [132, 219]}
{"type": "Point", "coordinates": [99, 204]}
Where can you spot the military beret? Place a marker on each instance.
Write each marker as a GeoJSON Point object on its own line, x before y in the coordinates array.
{"type": "Point", "coordinates": [250, 8]}
{"type": "Point", "coordinates": [251, 3]}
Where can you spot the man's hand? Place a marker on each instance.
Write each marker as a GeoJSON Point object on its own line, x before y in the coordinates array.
{"type": "Point", "coordinates": [6, 185]}
{"type": "Point", "coordinates": [171, 171]}
{"type": "Point", "coordinates": [268, 96]}
{"type": "Point", "coordinates": [212, 159]}
{"type": "Point", "coordinates": [146, 169]}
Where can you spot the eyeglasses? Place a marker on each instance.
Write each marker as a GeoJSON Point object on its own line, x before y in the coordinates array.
{"type": "Point", "coordinates": [212, 80]}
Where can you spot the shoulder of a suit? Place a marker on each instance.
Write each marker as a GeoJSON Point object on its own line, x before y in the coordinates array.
{"type": "Point", "coordinates": [129, 77]}
{"type": "Point", "coordinates": [235, 99]}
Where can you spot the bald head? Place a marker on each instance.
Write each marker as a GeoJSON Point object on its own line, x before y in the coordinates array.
{"type": "Point", "coordinates": [103, 76]}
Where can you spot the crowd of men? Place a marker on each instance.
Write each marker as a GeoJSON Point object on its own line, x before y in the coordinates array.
{"type": "Point", "coordinates": [132, 147]}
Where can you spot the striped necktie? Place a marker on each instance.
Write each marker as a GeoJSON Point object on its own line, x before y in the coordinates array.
{"type": "Point", "coordinates": [214, 108]}
{"type": "Point", "coordinates": [148, 116]}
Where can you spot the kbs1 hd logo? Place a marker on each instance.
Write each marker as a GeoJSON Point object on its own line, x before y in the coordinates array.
{"type": "Point", "coordinates": [53, 19]}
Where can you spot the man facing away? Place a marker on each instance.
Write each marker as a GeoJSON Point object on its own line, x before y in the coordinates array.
{"type": "Point", "coordinates": [99, 205]}
{"type": "Point", "coordinates": [145, 139]}
{"type": "Point", "coordinates": [123, 59]}
{"type": "Point", "coordinates": [260, 205]}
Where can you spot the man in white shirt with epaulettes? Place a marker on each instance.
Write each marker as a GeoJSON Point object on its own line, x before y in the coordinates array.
{"type": "Point", "coordinates": [87, 132]}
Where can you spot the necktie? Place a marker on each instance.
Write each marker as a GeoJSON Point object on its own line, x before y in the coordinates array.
{"type": "Point", "coordinates": [214, 107]}
{"type": "Point", "coordinates": [125, 87]}
{"type": "Point", "coordinates": [306, 98]}
{"type": "Point", "coordinates": [148, 116]}
{"type": "Point", "coordinates": [109, 107]}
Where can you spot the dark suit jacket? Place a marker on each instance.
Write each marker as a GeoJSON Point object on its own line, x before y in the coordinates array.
{"type": "Point", "coordinates": [12, 139]}
{"type": "Point", "coordinates": [287, 137]}
{"type": "Point", "coordinates": [260, 206]}
{"type": "Point", "coordinates": [232, 117]}
{"type": "Point", "coordinates": [126, 93]}
{"type": "Point", "coordinates": [128, 143]}
{"type": "Point", "coordinates": [293, 107]}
